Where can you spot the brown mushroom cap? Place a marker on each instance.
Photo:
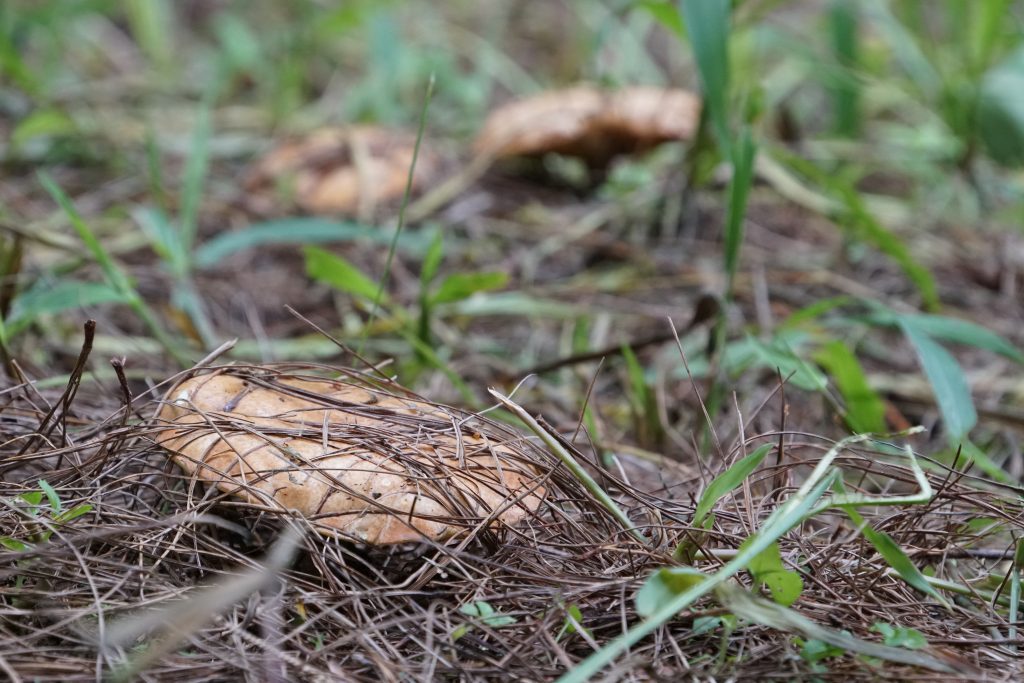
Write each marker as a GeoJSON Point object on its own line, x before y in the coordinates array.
{"type": "Point", "coordinates": [587, 122]}
{"type": "Point", "coordinates": [372, 466]}
{"type": "Point", "coordinates": [344, 170]}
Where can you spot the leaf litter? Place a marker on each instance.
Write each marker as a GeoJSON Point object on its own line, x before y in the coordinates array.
{"type": "Point", "coordinates": [343, 608]}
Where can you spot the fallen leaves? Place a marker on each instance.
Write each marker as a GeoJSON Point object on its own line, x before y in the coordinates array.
{"type": "Point", "coordinates": [354, 459]}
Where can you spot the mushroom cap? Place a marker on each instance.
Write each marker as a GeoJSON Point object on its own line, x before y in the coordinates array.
{"type": "Point", "coordinates": [343, 170]}
{"type": "Point", "coordinates": [587, 122]}
{"type": "Point", "coordinates": [368, 465]}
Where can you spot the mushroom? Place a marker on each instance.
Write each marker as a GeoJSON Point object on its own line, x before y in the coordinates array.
{"type": "Point", "coordinates": [343, 170]}
{"type": "Point", "coordinates": [590, 123]}
{"type": "Point", "coordinates": [357, 461]}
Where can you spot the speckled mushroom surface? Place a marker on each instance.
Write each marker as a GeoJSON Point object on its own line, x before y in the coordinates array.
{"type": "Point", "coordinates": [371, 465]}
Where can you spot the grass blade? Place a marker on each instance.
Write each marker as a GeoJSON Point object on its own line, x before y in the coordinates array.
{"type": "Point", "coordinates": [707, 23]}
{"type": "Point", "coordinates": [300, 231]}
{"type": "Point", "coordinates": [743, 157]}
{"type": "Point", "coordinates": [947, 379]}
{"type": "Point", "coordinates": [728, 481]}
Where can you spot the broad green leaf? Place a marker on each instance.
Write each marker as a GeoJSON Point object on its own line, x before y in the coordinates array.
{"type": "Point", "coordinates": [573, 618]}
{"type": "Point", "coordinates": [947, 379]}
{"type": "Point", "coordinates": [784, 584]}
{"type": "Point", "coordinates": [334, 270]}
{"type": "Point", "coordinates": [727, 481]}
{"type": "Point", "coordinates": [299, 231]}
{"type": "Point", "coordinates": [464, 285]}
{"type": "Point", "coordinates": [242, 49]}
{"type": "Point", "coordinates": [663, 585]}
{"type": "Point", "coordinates": [702, 625]}
{"type": "Point", "coordinates": [33, 498]}
{"type": "Point", "coordinates": [865, 411]}
{"type": "Point", "coordinates": [51, 495]}
{"type": "Point", "coordinates": [152, 26]}
{"type": "Point", "coordinates": [899, 636]}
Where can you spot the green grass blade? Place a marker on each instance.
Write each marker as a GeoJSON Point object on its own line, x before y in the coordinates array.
{"type": "Point", "coordinates": [947, 379]}
{"type": "Point", "coordinates": [728, 481]}
{"type": "Point", "coordinates": [114, 275]}
{"type": "Point", "coordinates": [151, 23]}
{"type": "Point", "coordinates": [891, 552]}
{"type": "Point", "coordinates": [707, 23]}
{"type": "Point", "coordinates": [192, 182]}
{"type": "Point", "coordinates": [401, 212]}
{"type": "Point", "coordinates": [964, 332]}
{"type": "Point", "coordinates": [300, 231]}
{"type": "Point", "coordinates": [843, 23]}
{"type": "Point", "coordinates": [779, 522]}
{"type": "Point", "coordinates": [43, 298]}
{"type": "Point", "coordinates": [743, 157]}
{"type": "Point", "coordinates": [459, 286]}
{"type": "Point", "coordinates": [865, 411]}
{"type": "Point", "coordinates": [858, 220]}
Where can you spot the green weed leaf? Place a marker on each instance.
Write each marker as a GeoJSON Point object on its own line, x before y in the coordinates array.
{"type": "Point", "coordinates": [865, 411]}
{"type": "Point", "coordinates": [334, 270]}
{"type": "Point", "coordinates": [898, 636]}
{"type": "Point", "coordinates": [14, 544]}
{"type": "Point", "coordinates": [299, 231]}
{"type": "Point", "coordinates": [432, 259]}
{"type": "Point", "coordinates": [51, 495]}
{"type": "Point", "coordinates": [73, 513]}
{"type": "Point", "coordinates": [464, 285]}
{"type": "Point", "coordinates": [42, 123]}
{"type": "Point", "coordinates": [663, 585]}
{"type": "Point", "coordinates": [766, 567]}
{"type": "Point", "coordinates": [486, 614]}
{"type": "Point", "coordinates": [727, 481]}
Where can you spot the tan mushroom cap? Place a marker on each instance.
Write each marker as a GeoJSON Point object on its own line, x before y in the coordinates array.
{"type": "Point", "coordinates": [344, 170]}
{"type": "Point", "coordinates": [375, 467]}
{"type": "Point", "coordinates": [590, 123]}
